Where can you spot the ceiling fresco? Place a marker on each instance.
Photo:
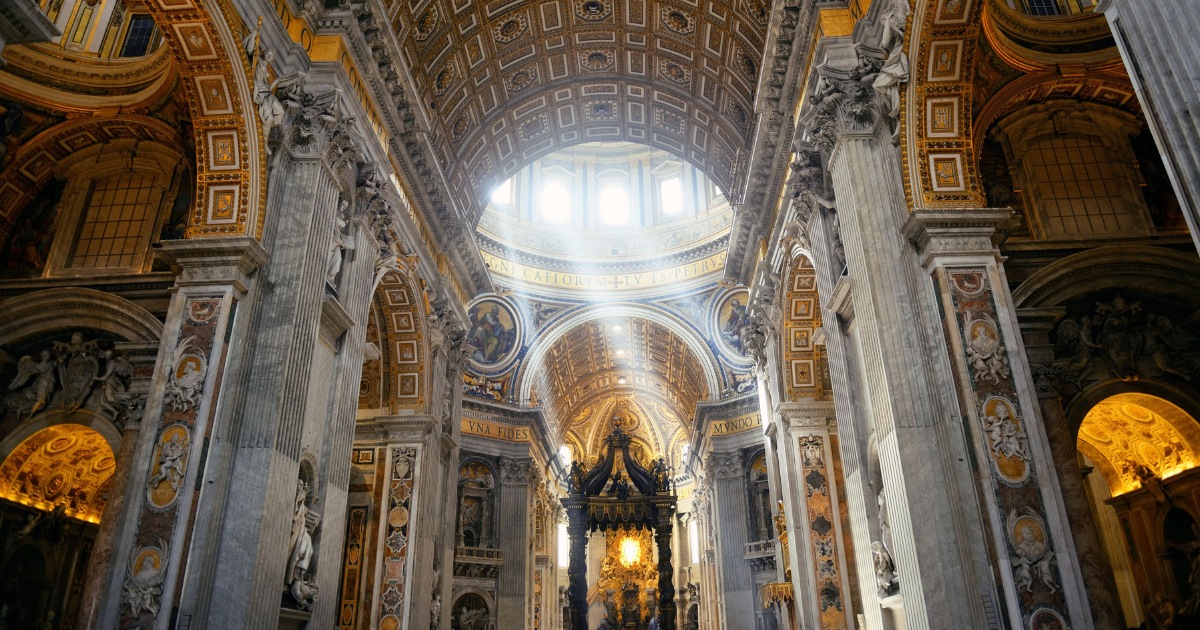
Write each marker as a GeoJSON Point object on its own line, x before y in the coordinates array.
{"type": "Point", "coordinates": [506, 82]}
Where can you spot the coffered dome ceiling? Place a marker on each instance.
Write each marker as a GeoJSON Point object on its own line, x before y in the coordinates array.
{"type": "Point", "coordinates": [613, 357]}
{"type": "Point", "coordinates": [507, 82]}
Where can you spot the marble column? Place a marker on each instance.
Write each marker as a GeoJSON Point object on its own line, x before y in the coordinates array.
{"type": "Point", "coordinates": [1037, 559]}
{"type": "Point", "coordinates": [1158, 44]}
{"type": "Point", "coordinates": [737, 595]}
{"type": "Point", "coordinates": [896, 339]}
{"type": "Point", "coordinates": [99, 569]}
{"type": "Point", "coordinates": [1098, 578]}
{"type": "Point", "coordinates": [854, 424]}
{"type": "Point", "coordinates": [816, 535]}
{"type": "Point", "coordinates": [512, 586]}
{"type": "Point", "coordinates": [277, 421]}
{"type": "Point", "coordinates": [213, 279]}
{"type": "Point", "coordinates": [352, 288]}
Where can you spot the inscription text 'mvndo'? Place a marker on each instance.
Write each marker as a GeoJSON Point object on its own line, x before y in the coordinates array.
{"type": "Point", "coordinates": [737, 425]}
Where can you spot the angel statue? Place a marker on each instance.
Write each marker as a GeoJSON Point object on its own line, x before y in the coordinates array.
{"type": "Point", "coordinates": [117, 373]}
{"type": "Point", "coordinates": [38, 379]}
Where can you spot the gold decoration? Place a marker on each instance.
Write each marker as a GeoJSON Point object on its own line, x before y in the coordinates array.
{"type": "Point", "coordinates": [777, 593]}
{"type": "Point", "coordinates": [66, 464]}
{"type": "Point", "coordinates": [1131, 444]}
{"type": "Point", "coordinates": [629, 559]}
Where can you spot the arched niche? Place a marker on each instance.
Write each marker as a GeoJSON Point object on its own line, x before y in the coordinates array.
{"type": "Point", "coordinates": [475, 525]}
{"type": "Point", "coordinates": [1170, 274]}
{"type": "Point", "coordinates": [472, 609]}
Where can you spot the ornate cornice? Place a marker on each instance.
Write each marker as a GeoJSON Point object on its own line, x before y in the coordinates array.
{"type": "Point", "coordinates": [383, 70]}
{"type": "Point", "coordinates": [784, 63]}
{"type": "Point", "coordinates": [216, 260]}
{"type": "Point", "coordinates": [958, 233]}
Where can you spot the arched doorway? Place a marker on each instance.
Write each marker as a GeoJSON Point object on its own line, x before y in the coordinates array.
{"type": "Point", "coordinates": [53, 490]}
{"type": "Point", "coordinates": [1139, 455]}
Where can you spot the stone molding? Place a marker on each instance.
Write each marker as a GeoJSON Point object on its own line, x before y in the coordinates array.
{"type": "Point", "coordinates": [210, 261]}
{"type": "Point", "coordinates": [334, 320]}
{"type": "Point", "coordinates": [33, 314]}
{"type": "Point", "coordinates": [954, 233]}
{"type": "Point", "coordinates": [393, 430]}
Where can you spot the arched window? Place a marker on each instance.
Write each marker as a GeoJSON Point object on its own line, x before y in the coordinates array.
{"type": "Point", "coordinates": [116, 198]}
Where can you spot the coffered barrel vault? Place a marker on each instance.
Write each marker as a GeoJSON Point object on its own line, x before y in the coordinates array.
{"type": "Point", "coordinates": [421, 314]}
{"type": "Point", "coordinates": [504, 83]}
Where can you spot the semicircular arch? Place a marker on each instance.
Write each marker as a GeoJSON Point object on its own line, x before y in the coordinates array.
{"type": "Point", "coordinates": [35, 314]}
{"type": "Point", "coordinates": [404, 350]}
{"type": "Point", "coordinates": [555, 331]}
{"type": "Point", "coordinates": [34, 161]}
{"type": "Point", "coordinates": [1162, 272]}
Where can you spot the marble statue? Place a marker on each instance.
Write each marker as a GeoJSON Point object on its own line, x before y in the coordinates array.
{"type": "Point", "coordinates": [886, 581]}
{"type": "Point", "coordinates": [271, 111]}
{"type": "Point", "coordinates": [343, 240]}
{"type": "Point", "coordinates": [300, 543]}
{"type": "Point", "coordinates": [33, 384]}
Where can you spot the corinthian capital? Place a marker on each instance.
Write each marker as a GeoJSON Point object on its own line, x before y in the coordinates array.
{"type": "Point", "coordinates": [724, 465]}
{"type": "Point", "coordinates": [314, 126]}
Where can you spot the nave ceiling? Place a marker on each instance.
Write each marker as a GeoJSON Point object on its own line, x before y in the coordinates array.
{"type": "Point", "coordinates": [504, 83]}
{"type": "Point", "coordinates": [620, 358]}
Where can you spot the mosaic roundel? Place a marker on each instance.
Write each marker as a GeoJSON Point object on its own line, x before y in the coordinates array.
{"type": "Point", "coordinates": [731, 325]}
{"type": "Point", "coordinates": [493, 333]}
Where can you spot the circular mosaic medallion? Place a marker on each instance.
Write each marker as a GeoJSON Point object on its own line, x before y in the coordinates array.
{"type": "Point", "coordinates": [731, 325]}
{"type": "Point", "coordinates": [493, 333]}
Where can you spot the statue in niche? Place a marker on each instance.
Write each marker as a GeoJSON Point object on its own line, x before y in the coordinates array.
{"type": "Point", "coordinates": [343, 240]}
{"type": "Point", "coordinates": [300, 550]}
{"type": "Point", "coordinates": [471, 618]}
{"type": "Point", "coordinates": [886, 581]}
{"type": "Point", "coordinates": [885, 526]}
